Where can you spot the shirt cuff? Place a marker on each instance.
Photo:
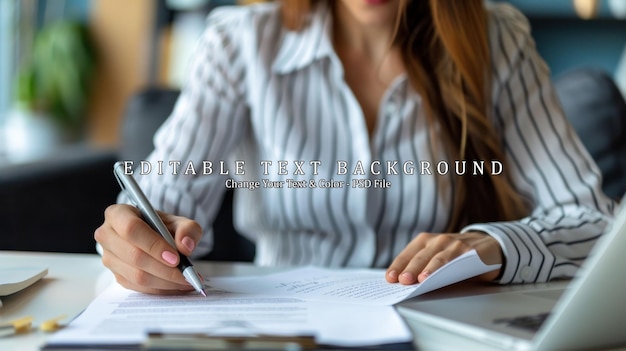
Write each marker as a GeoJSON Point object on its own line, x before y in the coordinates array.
{"type": "Point", "coordinates": [528, 260]}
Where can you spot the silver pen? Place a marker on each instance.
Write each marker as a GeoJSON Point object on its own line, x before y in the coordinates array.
{"type": "Point", "coordinates": [137, 197]}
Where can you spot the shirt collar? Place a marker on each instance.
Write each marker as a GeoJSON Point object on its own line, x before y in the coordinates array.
{"type": "Point", "coordinates": [299, 49]}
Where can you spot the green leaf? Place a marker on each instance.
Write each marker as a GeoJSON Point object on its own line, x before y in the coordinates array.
{"type": "Point", "coordinates": [59, 74]}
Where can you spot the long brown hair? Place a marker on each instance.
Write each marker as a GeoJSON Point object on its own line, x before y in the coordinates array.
{"type": "Point", "coordinates": [445, 49]}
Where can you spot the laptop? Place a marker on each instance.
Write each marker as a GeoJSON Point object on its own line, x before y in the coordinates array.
{"type": "Point", "coordinates": [588, 312]}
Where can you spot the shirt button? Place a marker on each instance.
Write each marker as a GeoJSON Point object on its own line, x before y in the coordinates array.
{"type": "Point", "coordinates": [526, 273]}
{"type": "Point", "coordinates": [391, 109]}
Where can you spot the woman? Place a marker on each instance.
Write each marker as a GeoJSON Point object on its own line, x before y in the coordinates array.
{"type": "Point", "coordinates": [341, 123]}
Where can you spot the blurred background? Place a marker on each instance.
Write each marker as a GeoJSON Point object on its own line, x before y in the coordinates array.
{"type": "Point", "coordinates": [75, 63]}
{"type": "Point", "coordinates": [70, 70]}
{"type": "Point", "coordinates": [107, 50]}
{"type": "Point", "coordinates": [114, 48]}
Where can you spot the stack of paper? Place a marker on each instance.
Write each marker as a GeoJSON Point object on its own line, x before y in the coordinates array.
{"type": "Point", "coordinates": [337, 306]}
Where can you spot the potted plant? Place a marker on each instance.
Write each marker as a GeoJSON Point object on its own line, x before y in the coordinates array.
{"type": "Point", "coordinates": [52, 90]}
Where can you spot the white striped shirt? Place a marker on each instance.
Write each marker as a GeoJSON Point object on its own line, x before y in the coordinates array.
{"type": "Point", "coordinates": [257, 92]}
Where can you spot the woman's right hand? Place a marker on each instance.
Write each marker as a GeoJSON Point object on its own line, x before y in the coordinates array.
{"type": "Point", "coordinates": [138, 256]}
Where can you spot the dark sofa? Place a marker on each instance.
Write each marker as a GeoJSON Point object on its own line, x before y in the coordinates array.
{"type": "Point", "coordinates": [55, 204]}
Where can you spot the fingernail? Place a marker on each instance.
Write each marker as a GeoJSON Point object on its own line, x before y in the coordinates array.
{"type": "Point", "coordinates": [408, 276]}
{"type": "Point", "coordinates": [393, 274]}
{"type": "Point", "coordinates": [424, 275]}
{"type": "Point", "coordinates": [169, 257]}
{"type": "Point", "coordinates": [189, 244]}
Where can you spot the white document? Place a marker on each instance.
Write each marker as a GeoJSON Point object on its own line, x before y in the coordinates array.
{"type": "Point", "coordinates": [363, 287]}
{"type": "Point", "coordinates": [124, 317]}
{"type": "Point", "coordinates": [343, 307]}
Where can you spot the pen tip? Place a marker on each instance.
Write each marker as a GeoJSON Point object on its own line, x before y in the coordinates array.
{"type": "Point", "coordinates": [203, 292]}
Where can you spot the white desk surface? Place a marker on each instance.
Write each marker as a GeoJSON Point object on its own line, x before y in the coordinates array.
{"type": "Point", "coordinates": [72, 282]}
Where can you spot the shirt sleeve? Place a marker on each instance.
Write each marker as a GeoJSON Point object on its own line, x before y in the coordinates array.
{"type": "Point", "coordinates": [547, 163]}
{"type": "Point", "coordinates": [208, 120]}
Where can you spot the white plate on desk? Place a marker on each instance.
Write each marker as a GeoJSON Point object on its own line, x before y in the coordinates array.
{"type": "Point", "coordinates": [15, 279]}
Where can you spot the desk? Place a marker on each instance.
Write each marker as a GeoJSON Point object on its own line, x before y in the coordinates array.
{"type": "Point", "coordinates": [73, 281]}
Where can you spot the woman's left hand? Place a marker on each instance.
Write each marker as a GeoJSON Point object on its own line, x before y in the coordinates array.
{"type": "Point", "coordinates": [428, 252]}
